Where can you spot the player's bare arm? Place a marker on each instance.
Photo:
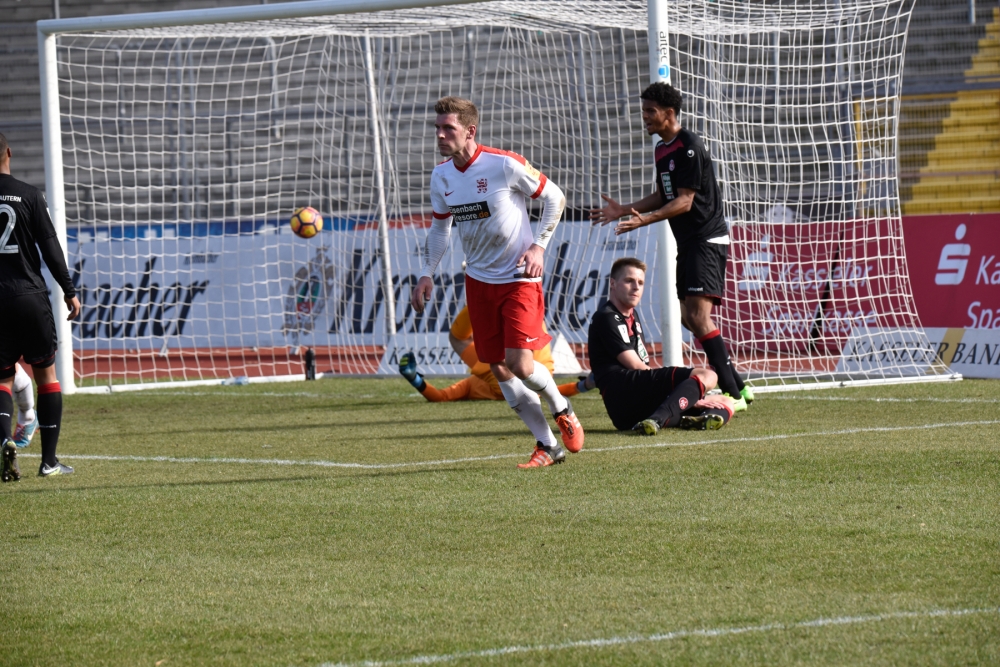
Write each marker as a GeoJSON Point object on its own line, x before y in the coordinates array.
{"type": "Point", "coordinates": [630, 360]}
{"type": "Point", "coordinates": [613, 211]}
{"type": "Point", "coordinates": [680, 204]}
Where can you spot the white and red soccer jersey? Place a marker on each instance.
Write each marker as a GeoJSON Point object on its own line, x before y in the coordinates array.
{"type": "Point", "coordinates": [486, 199]}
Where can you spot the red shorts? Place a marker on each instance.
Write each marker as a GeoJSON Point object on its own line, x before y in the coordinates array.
{"type": "Point", "coordinates": [511, 315]}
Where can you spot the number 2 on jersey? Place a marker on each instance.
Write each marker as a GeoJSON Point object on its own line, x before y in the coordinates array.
{"type": "Point", "coordinates": [8, 230]}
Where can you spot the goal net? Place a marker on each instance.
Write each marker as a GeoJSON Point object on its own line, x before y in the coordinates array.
{"type": "Point", "coordinates": [187, 147]}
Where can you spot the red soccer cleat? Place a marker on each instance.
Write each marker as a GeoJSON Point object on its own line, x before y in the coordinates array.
{"type": "Point", "coordinates": [570, 429]}
{"type": "Point", "coordinates": [542, 457]}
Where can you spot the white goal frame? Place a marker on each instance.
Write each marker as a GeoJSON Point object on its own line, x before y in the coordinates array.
{"type": "Point", "coordinates": [52, 138]}
{"type": "Point", "coordinates": [672, 350]}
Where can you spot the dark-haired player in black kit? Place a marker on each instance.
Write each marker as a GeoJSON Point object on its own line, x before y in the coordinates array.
{"type": "Point", "coordinates": [636, 396]}
{"type": "Point", "coordinates": [688, 195]}
{"type": "Point", "coordinates": [28, 328]}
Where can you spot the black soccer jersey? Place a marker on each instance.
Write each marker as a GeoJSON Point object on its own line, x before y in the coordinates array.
{"type": "Point", "coordinates": [25, 227]}
{"type": "Point", "coordinates": [611, 333]}
{"type": "Point", "coordinates": [685, 163]}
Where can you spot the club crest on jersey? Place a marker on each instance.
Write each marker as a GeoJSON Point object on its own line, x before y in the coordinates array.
{"type": "Point", "coordinates": [481, 185]}
{"type": "Point", "coordinates": [682, 402]}
{"type": "Point", "coordinates": [671, 165]}
{"type": "Point", "coordinates": [466, 212]}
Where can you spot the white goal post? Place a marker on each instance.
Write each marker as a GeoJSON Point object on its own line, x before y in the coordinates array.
{"type": "Point", "coordinates": [177, 145]}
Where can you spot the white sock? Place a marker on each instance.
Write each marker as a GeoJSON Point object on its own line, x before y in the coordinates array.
{"type": "Point", "coordinates": [541, 381]}
{"type": "Point", "coordinates": [24, 396]}
{"type": "Point", "coordinates": [527, 406]}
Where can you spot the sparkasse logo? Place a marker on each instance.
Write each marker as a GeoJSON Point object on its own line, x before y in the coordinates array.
{"type": "Point", "coordinates": [954, 260]}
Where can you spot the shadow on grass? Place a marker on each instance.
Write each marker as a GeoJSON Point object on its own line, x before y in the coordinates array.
{"type": "Point", "coordinates": [372, 425]}
{"type": "Point", "coordinates": [337, 474]}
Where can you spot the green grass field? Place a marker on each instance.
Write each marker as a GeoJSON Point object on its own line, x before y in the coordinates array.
{"type": "Point", "coordinates": [212, 526]}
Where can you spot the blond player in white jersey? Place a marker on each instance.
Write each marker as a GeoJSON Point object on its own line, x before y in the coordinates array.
{"type": "Point", "coordinates": [483, 191]}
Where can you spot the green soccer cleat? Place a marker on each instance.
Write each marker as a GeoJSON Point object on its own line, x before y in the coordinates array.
{"type": "Point", "coordinates": [702, 422]}
{"type": "Point", "coordinates": [647, 427]}
{"type": "Point", "coordinates": [9, 470]}
{"type": "Point", "coordinates": [747, 394]}
{"type": "Point", "coordinates": [739, 405]}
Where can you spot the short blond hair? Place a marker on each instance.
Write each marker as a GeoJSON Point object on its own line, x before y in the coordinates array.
{"type": "Point", "coordinates": [468, 114]}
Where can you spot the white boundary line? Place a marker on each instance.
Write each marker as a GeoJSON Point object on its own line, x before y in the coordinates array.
{"type": "Point", "coordinates": [662, 637]}
{"type": "Point", "coordinates": [494, 457]}
{"type": "Point", "coordinates": [782, 397]}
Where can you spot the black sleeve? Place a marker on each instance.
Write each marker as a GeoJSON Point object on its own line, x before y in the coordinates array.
{"type": "Point", "coordinates": [689, 166]}
{"type": "Point", "coordinates": [53, 255]}
{"type": "Point", "coordinates": [48, 244]}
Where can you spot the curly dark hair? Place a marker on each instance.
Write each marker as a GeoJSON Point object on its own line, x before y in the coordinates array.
{"type": "Point", "coordinates": [664, 95]}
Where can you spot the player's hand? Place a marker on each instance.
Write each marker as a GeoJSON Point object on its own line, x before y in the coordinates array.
{"type": "Point", "coordinates": [613, 211]}
{"type": "Point", "coordinates": [422, 293]}
{"type": "Point", "coordinates": [73, 304]}
{"type": "Point", "coordinates": [625, 226]}
{"type": "Point", "coordinates": [533, 262]}
{"type": "Point", "coordinates": [716, 401]}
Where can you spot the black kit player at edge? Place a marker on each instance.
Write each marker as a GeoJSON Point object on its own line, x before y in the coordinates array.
{"type": "Point", "coordinates": [27, 236]}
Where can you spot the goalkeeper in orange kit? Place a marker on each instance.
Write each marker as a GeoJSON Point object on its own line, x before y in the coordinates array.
{"type": "Point", "coordinates": [480, 385]}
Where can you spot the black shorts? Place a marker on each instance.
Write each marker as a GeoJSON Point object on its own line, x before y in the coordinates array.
{"type": "Point", "coordinates": [28, 330]}
{"type": "Point", "coordinates": [701, 271]}
{"type": "Point", "coordinates": [631, 396]}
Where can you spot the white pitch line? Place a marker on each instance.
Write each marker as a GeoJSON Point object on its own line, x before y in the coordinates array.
{"type": "Point", "coordinates": [661, 637]}
{"type": "Point", "coordinates": [494, 457]}
{"type": "Point", "coordinates": [792, 397]}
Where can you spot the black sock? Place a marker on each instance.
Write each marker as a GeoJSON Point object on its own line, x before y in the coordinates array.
{"type": "Point", "coordinates": [736, 376]}
{"type": "Point", "coordinates": [6, 410]}
{"type": "Point", "coordinates": [682, 398]}
{"type": "Point", "coordinates": [718, 357]}
{"type": "Point", "coordinates": [49, 409]}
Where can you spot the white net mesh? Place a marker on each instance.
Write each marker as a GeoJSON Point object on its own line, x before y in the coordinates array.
{"type": "Point", "coordinates": [186, 149]}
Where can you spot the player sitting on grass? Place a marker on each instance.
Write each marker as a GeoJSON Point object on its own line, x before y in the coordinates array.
{"type": "Point", "coordinates": [27, 422]}
{"type": "Point", "coordinates": [636, 396]}
{"type": "Point", "coordinates": [482, 385]}
{"type": "Point", "coordinates": [687, 195]}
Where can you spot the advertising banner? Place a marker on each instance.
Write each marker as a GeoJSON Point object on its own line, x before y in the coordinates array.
{"type": "Point", "coordinates": [178, 288]}
{"type": "Point", "coordinates": [954, 263]}
{"type": "Point", "coordinates": [803, 286]}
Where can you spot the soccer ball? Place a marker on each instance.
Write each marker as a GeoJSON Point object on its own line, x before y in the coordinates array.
{"type": "Point", "coordinates": [306, 222]}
